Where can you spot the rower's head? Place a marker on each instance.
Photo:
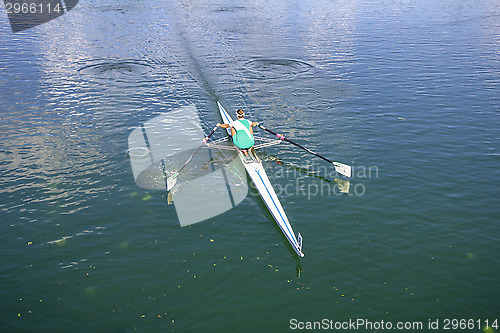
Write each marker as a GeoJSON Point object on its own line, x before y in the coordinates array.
{"type": "Point", "coordinates": [240, 113]}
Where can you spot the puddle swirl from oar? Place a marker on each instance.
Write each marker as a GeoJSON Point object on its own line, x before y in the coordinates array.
{"type": "Point", "coordinates": [127, 71]}
{"type": "Point", "coordinates": [279, 69]}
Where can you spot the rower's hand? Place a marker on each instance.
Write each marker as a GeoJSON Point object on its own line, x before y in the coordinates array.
{"type": "Point", "coordinates": [218, 124]}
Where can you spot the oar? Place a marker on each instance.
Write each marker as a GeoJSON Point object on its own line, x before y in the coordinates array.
{"type": "Point", "coordinates": [339, 167]}
{"type": "Point", "coordinates": [172, 180]}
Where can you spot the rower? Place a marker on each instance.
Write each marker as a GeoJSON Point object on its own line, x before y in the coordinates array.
{"type": "Point", "coordinates": [241, 131]}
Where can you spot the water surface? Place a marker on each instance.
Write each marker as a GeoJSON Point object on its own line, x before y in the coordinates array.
{"type": "Point", "coordinates": [406, 92]}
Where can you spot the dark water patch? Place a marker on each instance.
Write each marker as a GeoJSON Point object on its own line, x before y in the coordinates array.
{"type": "Point", "coordinates": [279, 69]}
{"type": "Point", "coordinates": [127, 71]}
{"type": "Point", "coordinates": [228, 9]}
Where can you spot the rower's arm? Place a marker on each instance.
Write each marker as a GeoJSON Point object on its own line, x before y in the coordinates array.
{"type": "Point", "coordinates": [223, 125]}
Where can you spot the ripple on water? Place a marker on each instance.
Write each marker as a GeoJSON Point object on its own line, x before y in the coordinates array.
{"type": "Point", "coordinates": [127, 71]}
{"type": "Point", "coordinates": [307, 92]}
{"type": "Point", "coordinates": [277, 68]}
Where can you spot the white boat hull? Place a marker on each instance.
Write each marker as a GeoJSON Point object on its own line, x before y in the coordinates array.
{"type": "Point", "coordinates": [259, 177]}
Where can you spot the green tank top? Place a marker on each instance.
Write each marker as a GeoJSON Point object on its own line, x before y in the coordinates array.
{"type": "Point", "coordinates": [243, 139]}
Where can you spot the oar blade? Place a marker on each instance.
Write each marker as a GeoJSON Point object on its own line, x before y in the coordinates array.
{"type": "Point", "coordinates": [343, 169]}
{"type": "Point", "coordinates": [171, 181]}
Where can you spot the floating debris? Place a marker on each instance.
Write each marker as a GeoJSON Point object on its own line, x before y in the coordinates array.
{"type": "Point", "coordinates": [60, 241]}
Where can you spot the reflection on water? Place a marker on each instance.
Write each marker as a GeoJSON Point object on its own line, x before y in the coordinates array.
{"type": "Point", "coordinates": [53, 169]}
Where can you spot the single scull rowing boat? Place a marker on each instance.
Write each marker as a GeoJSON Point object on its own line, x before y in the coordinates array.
{"type": "Point", "coordinates": [255, 170]}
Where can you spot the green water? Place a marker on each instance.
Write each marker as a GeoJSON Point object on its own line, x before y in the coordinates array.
{"type": "Point", "coordinates": [406, 92]}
